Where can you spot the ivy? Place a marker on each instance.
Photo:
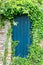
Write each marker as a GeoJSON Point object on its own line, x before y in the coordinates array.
{"type": "Point", "coordinates": [34, 8]}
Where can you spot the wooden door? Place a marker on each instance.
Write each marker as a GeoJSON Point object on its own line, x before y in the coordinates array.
{"type": "Point", "coordinates": [21, 33]}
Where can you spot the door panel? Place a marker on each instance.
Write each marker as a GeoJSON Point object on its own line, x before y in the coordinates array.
{"type": "Point", "coordinates": [21, 33]}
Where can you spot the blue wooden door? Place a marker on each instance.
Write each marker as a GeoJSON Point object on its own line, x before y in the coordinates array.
{"type": "Point", "coordinates": [21, 33]}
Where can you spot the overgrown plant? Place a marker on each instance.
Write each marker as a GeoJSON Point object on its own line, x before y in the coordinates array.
{"type": "Point", "coordinates": [14, 44]}
{"type": "Point", "coordinates": [34, 9]}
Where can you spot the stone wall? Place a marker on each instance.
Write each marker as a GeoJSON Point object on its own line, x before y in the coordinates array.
{"type": "Point", "coordinates": [3, 38]}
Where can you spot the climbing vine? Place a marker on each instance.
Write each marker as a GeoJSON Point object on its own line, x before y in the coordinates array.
{"type": "Point", "coordinates": [9, 9]}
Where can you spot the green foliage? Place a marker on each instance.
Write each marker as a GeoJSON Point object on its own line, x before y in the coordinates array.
{"type": "Point", "coordinates": [9, 8]}
{"type": "Point", "coordinates": [34, 9]}
{"type": "Point", "coordinates": [14, 44]}
{"type": "Point", "coordinates": [36, 55]}
{"type": "Point", "coordinates": [2, 21]}
{"type": "Point", "coordinates": [20, 61]}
